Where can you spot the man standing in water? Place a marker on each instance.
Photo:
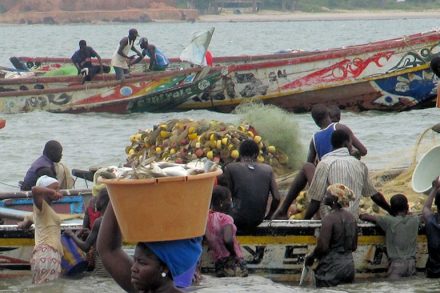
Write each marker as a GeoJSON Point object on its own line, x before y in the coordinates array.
{"type": "Point", "coordinates": [337, 240]}
{"type": "Point", "coordinates": [432, 227]}
{"type": "Point", "coordinates": [120, 59]}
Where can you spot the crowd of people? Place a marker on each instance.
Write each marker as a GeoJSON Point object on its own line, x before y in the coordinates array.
{"type": "Point", "coordinates": [245, 195]}
{"type": "Point", "coordinates": [121, 60]}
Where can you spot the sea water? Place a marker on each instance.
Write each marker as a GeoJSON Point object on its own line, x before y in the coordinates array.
{"type": "Point", "coordinates": [96, 139]}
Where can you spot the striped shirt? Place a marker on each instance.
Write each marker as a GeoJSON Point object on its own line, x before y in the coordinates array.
{"type": "Point", "coordinates": [339, 166]}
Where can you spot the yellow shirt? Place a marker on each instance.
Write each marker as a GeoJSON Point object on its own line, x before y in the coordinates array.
{"type": "Point", "coordinates": [47, 227]}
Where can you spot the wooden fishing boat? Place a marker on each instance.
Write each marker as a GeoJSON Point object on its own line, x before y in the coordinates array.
{"type": "Point", "coordinates": [276, 250]}
{"type": "Point", "coordinates": [142, 92]}
{"type": "Point", "coordinates": [389, 75]}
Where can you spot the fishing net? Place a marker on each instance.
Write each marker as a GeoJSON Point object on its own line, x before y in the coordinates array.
{"type": "Point", "coordinates": [397, 178]}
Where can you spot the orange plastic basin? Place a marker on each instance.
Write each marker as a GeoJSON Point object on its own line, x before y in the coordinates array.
{"type": "Point", "coordinates": [160, 209]}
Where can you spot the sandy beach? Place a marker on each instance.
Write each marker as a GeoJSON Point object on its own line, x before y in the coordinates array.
{"type": "Point", "coordinates": [265, 16]}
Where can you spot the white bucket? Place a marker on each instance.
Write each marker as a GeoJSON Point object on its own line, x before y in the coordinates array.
{"type": "Point", "coordinates": [427, 169]}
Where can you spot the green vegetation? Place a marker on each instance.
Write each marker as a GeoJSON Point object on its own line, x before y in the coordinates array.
{"type": "Point", "coordinates": [315, 5]}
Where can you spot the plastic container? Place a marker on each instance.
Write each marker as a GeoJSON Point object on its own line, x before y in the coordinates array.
{"type": "Point", "coordinates": [427, 169]}
{"type": "Point", "coordinates": [74, 260]}
{"type": "Point", "coordinates": [160, 209]}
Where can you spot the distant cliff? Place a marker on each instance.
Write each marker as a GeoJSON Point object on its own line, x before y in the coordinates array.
{"type": "Point", "coordinates": [67, 11]}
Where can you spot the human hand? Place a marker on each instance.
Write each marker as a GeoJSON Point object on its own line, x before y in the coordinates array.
{"type": "Point", "coordinates": [23, 225]}
{"type": "Point", "coordinates": [309, 260]}
{"type": "Point", "coordinates": [56, 195]}
{"type": "Point", "coordinates": [69, 233]}
{"type": "Point", "coordinates": [436, 183]}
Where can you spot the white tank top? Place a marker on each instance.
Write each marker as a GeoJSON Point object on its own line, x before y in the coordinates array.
{"type": "Point", "coordinates": [120, 61]}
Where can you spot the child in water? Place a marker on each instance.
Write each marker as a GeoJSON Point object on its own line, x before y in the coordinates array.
{"type": "Point", "coordinates": [220, 235]}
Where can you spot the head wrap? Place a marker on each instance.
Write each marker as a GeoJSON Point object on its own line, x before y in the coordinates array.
{"type": "Point", "coordinates": [45, 181]}
{"type": "Point", "coordinates": [342, 192]}
{"type": "Point", "coordinates": [178, 255]}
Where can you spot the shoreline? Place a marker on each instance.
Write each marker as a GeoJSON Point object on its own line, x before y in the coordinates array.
{"type": "Point", "coordinates": [343, 15]}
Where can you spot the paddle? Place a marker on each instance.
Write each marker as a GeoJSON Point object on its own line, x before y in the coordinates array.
{"type": "Point", "coordinates": [28, 194]}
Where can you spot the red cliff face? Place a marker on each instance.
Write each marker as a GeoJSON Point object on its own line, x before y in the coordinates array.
{"type": "Point", "coordinates": [64, 11]}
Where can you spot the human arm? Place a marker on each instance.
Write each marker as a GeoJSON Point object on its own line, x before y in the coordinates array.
{"type": "Point", "coordinates": [85, 245]}
{"type": "Point", "coordinates": [427, 212]}
{"type": "Point", "coordinates": [323, 243]}
{"type": "Point", "coordinates": [137, 51]}
{"type": "Point", "coordinates": [275, 197]}
{"type": "Point", "coordinates": [368, 218]}
{"type": "Point", "coordinates": [26, 223]}
{"type": "Point", "coordinates": [76, 60]}
{"type": "Point", "coordinates": [312, 209]}
{"type": "Point", "coordinates": [152, 51]}
{"type": "Point", "coordinates": [311, 155]}
{"type": "Point", "coordinates": [354, 140]}
{"type": "Point", "coordinates": [99, 60]}
{"type": "Point", "coordinates": [109, 245]}
{"type": "Point", "coordinates": [380, 200]}
{"type": "Point", "coordinates": [228, 238]}
{"type": "Point", "coordinates": [42, 193]}
{"type": "Point", "coordinates": [122, 45]}
{"type": "Point", "coordinates": [317, 189]}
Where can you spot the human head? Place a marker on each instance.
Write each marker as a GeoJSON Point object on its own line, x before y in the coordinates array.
{"type": "Point", "coordinates": [340, 139]}
{"type": "Point", "coordinates": [249, 149]}
{"type": "Point", "coordinates": [102, 200]}
{"type": "Point", "coordinates": [48, 182]}
{"type": "Point", "coordinates": [221, 199]}
{"type": "Point", "coordinates": [167, 260]}
{"type": "Point", "coordinates": [435, 65]}
{"type": "Point", "coordinates": [82, 44]}
{"type": "Point", "coordinates": [53, 150]}
{"type": "Point", "coordinates": [340, 194]}
{"type": "Point", "coordinates": [399, 204]}
{"type": "Point", "coordinates": [147, 270]}
{"type": "Point", "coordinates": [133, 34]}
{"type": "Point", "coordinates": [335, 113]}
{"type": "Point", "coordinates": [143, 42]}
{"type": "Point", "coordinates": [320, 115]}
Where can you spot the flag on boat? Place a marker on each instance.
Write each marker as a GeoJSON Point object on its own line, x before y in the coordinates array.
{"type": "Point", "coordinates": [195, 52]}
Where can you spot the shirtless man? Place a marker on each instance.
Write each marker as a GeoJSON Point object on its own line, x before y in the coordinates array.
{"type": "Point", "coordinates": [250, 183]}
{"type": "Point", "coordinates": [120, 59]}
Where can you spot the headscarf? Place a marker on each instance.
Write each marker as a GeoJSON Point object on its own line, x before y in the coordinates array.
{"type": "Point", "coordinates": [178, 255]}
{"type": "Point", "coordinates": [342, 192]}
{"type": "Point", "coordinates": [45, 181]}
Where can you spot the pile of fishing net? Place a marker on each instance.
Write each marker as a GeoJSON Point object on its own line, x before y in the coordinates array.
{"type": "Point", "coordinates": [182, 141]}
{"type": "Point", "coordinates": [274, 130]}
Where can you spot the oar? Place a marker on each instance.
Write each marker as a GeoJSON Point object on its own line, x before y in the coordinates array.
{"type": "Point", "coordinates": [28, 194]}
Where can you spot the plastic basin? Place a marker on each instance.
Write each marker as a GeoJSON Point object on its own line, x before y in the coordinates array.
{"type": "Point", "coordinates": [427, 169]}
{"type": "Point", "coordinates": [161, 209]}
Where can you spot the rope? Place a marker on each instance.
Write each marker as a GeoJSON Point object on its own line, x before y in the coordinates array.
{"type": "Point", "coordinates": [10, 185]}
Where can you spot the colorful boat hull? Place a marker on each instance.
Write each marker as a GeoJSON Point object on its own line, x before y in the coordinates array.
{"type": "Point", "coordinates": [389, 75]}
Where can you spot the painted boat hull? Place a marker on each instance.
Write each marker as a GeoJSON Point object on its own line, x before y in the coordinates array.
{"type": "Point", "coordinates": [276, 250]}
{"type": "Point", "coordinates": [143, 93]}
{"type": "Point", "coordinates": [389, 75]}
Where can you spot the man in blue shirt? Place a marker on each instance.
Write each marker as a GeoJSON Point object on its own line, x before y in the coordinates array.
{"type": "Point", "coordinates": [158, 61]}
